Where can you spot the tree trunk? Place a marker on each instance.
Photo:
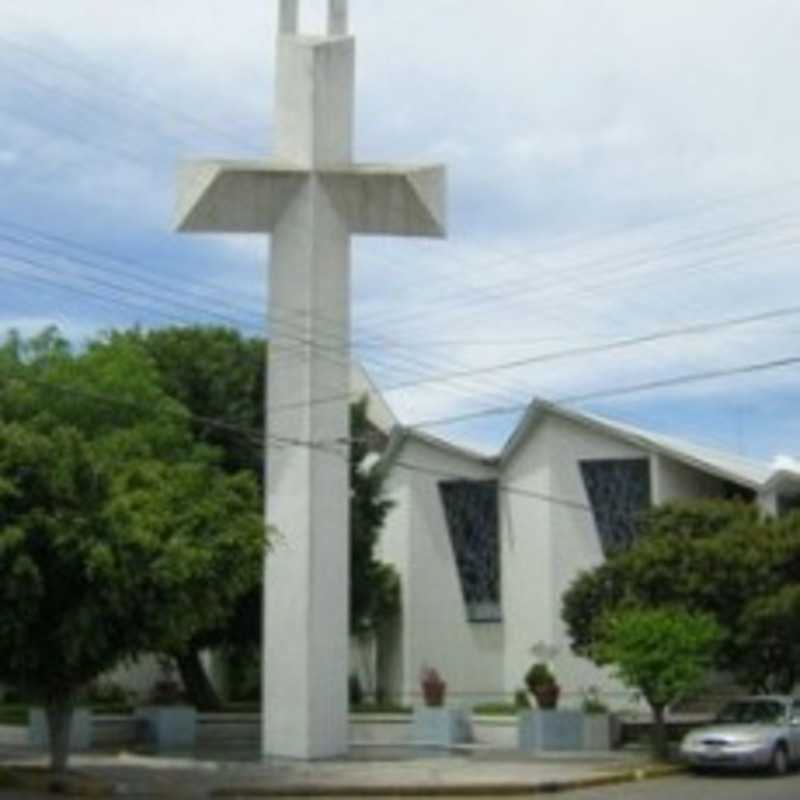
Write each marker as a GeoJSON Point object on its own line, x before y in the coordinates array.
{"type": "Point", "coordinates": [659, 740]}
{"type": "Point", "coordinates": [199, 688]}
{"type": "Point", "coordinates": [59, 725]}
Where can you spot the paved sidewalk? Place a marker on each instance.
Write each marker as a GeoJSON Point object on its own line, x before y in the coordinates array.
{"type": "Point", "coordinates": [372, 771]}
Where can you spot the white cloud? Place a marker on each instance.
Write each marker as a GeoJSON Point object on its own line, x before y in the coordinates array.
{"type": "Point", "coordinates": [560, 122]}
{"type": "Point", "coordinates": [788, 463]}
{"type": "Point", "coordinates": [74, 330]}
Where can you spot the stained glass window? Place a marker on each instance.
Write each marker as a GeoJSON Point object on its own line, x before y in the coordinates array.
{"type": "Point", "coordinates": [470, 508]}
{"type": "Point", "coordinates": [618, 491]}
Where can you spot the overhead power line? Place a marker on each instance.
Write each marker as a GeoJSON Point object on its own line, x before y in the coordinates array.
{"type": "Point", "coordinates": [680, 380]}
{"type": "Point", "coordinates": [257, 438]}
{"type": "Point", "coordinates": [421, 365]}
{"type": "Point", "coordinates": [620, 344]}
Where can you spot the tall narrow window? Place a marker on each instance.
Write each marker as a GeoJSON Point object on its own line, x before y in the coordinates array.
{"type": "Point", "coordinates": [618, 491]}
{"type": "Point", "coordinates": [470, 508]}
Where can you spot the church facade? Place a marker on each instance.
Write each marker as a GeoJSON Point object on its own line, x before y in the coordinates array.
{"type": "Point", "coordinates": [486, 546]}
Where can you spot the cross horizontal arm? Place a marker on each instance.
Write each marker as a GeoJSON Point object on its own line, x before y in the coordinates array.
{"type": "Point", "coordinates": [234, 196]}
{"type": "Point", "coordinates": [251, 197]}
{"type": "Point", "coordinates": [386, 200]}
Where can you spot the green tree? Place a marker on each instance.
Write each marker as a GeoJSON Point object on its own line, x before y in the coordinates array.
{"type": "Point", "coordinates": [664, 653]}
{"type": "Point", "coordinates": [219, 376]}
{"type": "Point", "coordinates": [374, 586]}
{"type": "Point", "coordinates": [711, 557]}
{"type": "Point", "coordinates": [768, 640]}
{"type": "Point", "coordinates": [118, 534]}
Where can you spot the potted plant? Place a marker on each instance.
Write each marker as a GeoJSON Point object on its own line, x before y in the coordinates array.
{"type": "Point", "coordinates": [542, 685]}
{"type": "Point", "coordinates": [167, 721]}
{"type": "Point", "coordinates": [434, 724]}
{"type": "Point", "coordinates": [433, 687]}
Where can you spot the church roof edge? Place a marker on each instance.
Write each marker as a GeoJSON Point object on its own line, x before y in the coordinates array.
{"type": "Point", "coordinates": [728, 466]}
{"type": "Point", "coordinates": [401, 434]}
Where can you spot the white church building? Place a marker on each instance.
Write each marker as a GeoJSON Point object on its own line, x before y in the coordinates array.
{"type": "Point", "coordinates": [486, 546]}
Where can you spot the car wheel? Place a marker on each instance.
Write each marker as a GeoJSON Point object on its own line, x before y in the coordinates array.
{"type": "Point", "coordinates": [779, 763]}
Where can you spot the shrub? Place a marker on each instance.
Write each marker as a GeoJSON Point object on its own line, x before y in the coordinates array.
{"type": "Point", "coordinates": [521, 699]}
{"type": "Point", "coordinates": [592, 704]}
{"type": "Point", "coordinates": [538, 676]}
{"type": "Point", "coordinates": [105, 693]}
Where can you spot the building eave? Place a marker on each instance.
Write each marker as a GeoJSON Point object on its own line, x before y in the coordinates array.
{"type": "Point", "coordinates": [539, 408]}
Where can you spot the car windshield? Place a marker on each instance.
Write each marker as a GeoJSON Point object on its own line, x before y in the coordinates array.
{"type": "Point", "coordinates": [763, 712]}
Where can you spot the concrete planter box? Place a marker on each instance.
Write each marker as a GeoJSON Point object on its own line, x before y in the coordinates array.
{"type": "Point", "coordinates": [80, 735]}
{"type": "Point", "coordinates": [601, 732]}
{"type": "Point", "coordinates": [440, 726]}
{"type": "Point", "coordinates": [167, 727]}
{"type": "Point", "coordinates": [565, 730]}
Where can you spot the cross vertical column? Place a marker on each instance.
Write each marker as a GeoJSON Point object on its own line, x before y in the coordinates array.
{"type": "Point", "coordinates": [312, 198]}
{"type": "Point", "coordinates": [337, 18]}
{"type": "Point", "coordinates": [307, 584]}
{"type": "Point", "coordinates": [306, 590]}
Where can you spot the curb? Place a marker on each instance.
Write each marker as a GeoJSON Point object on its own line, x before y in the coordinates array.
{"type": "Point", "coordinates": [448, 790]}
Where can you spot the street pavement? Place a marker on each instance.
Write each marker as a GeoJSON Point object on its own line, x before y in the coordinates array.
{"type": "Point", "coordinates": [410, 772]}
{"type": "Point", "coordinates": [376, 771]}
{"type": "Point", "coordinates": [698, 787]}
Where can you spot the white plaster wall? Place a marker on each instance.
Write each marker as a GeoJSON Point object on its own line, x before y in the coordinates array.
{"type": "Point", "coordinates": [674, 480]}
{"type": "Point", "coordinates": [575, 544]}
{"type": "Point", "coordinates": [768, 502]}
{"type": "Point", "coordinates": [435, 629]}
{"type": "Point", "coordinates": [137, 677]}
{"type": "Point", "coordinates": [526, 540]}
{"type": "Point", "coordinates": [378, 410]}
{"type": "Point", "coordinates": [548, 537]}
{"type": "Point", "coordinates": [364, 662]}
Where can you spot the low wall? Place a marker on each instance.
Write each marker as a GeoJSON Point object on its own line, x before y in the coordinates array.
{"type": "Point", "coordinates": [13, 735]}
{"type": "Point", "coordinates": [229, 730]}
{"type": "Point", "coordinates": [114, 731]}
{"type": "Point", "coordinates": [244, 731]}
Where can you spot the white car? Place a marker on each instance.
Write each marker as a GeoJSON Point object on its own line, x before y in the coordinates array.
{"type": "Point", "coordinates": [761, 731]}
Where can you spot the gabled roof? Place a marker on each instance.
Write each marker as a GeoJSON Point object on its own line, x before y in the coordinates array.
{"type": "Point", "coordinates": [728, 466]}
{"type": "Point", "coordinates": [784, 480]}
{"type": "Point", "coordinates": [378, 411]}
{"type": "Point", "coordinates": [400, 435]}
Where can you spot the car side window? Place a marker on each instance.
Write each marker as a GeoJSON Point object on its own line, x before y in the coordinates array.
{"type": "Point", "coordinates": [795, 713]}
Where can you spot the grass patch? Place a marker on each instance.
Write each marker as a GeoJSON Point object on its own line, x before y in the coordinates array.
{"type": "Point", "coordinates": [7, 779]}
{"type": "Point", "coordinates": [73, 784]}
{"type": "Point", "coordinates": [13, 714]}
{"type": "Point", "coordinates": [114, 709]}
{"type": "Point", "coordinates": [241, 707]}
{"type": "Point", "coordinates": [496, 710]}
{"type": "Point", "coordinates": [380, 708]}
{"type": "Point", "coordinates": [17, 713]}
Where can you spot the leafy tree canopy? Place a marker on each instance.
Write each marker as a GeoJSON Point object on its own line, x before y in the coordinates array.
{"type": "Point", "coordinates": [219, 376]}
{"type": "Point", "coordinates": [664, 653]}
{"type": "Point", "coordinates": [374, 586]}
{"type": "Point", "coordinates": [119, 535]}
{"type": "Point", "coordinates": [707, 557]}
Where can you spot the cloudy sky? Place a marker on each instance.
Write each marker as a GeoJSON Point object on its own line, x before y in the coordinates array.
{"type": "Point", "coordinates": [624, 196]}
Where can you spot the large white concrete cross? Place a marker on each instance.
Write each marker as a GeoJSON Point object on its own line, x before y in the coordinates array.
{"type": "Point", "coordinates": [311, 198]}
